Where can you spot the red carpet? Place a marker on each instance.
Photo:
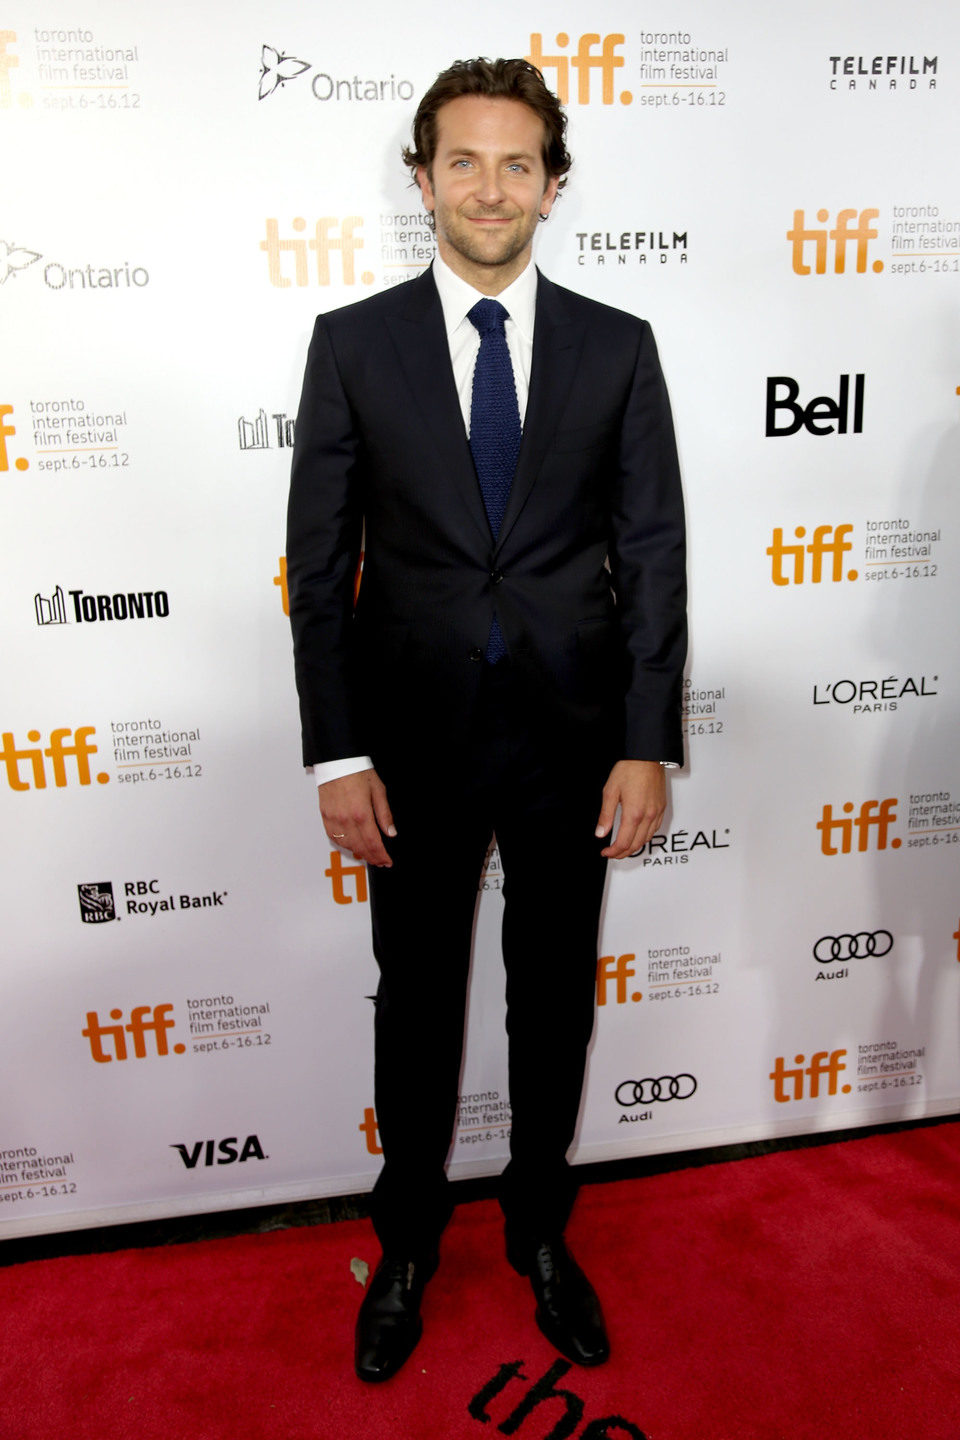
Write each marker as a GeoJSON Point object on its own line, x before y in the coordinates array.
{"type": "Point", "coordinates": [807, 1295]}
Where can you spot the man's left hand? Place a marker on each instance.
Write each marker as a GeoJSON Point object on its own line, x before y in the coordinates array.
{"type": "Point", "coordinates": [640, 790]}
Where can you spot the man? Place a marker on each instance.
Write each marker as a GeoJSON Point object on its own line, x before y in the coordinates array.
{"type": "Point", "coordinates": [512, 664]}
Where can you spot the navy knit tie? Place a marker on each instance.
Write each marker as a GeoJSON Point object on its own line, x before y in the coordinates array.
{"type": "Point", "coordinates": [494, 428]}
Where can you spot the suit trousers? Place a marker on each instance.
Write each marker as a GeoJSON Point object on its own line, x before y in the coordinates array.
{"type": "Point", "coordinates": [511, 778]}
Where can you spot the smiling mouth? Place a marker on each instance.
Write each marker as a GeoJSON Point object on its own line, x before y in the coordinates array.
{"type": "Point", "coordinates": [489, 219]}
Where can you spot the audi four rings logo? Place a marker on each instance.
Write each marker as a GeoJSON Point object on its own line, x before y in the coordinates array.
{"type": "Point", "coordinates": [663, 1087]}
{"type": "Point", "coordinates": [852, 947]}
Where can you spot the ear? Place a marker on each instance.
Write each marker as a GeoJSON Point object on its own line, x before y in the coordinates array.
{"type": "Point", "coordinates": [549, 195]}
{"type": "Point", "coordinates": [426, 189]}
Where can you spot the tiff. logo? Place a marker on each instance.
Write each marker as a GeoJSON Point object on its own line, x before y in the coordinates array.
{"type": "Point", "coordinates": [877, 815]}
{"type": "Point", "coordinates": [369, 1128]}
{"type": "Point", "coordinates": [827, 540]}
{"type": "Point", "coordinates": [8, 62]}
{"type": "Point", "coordinates": [823, 1063]}
{"type": "Point", "coordinates": [57, 752]}
{"type": "Point", "coordinates": [5, 430]}
{"type": "Point", "coordinates": [144, 1020]}
{"type": "Point", "coordinates": [842, 233]}
{"type": "Point", "coordinates": [339, 872]}
{"type": "Point", "coordinates": [583, 62]}
{"type": "Point", "coordinates": [619, 969]}
{"type": "Point", "coordinates": [323, 242]}
{"type": "Point", "coordinates": [281, 580]}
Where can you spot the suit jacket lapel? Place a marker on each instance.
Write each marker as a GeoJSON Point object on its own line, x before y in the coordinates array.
{"type": "Point", "coordinates": [420, 339]}
{"type": "Point", "coordinates": [557, 341]}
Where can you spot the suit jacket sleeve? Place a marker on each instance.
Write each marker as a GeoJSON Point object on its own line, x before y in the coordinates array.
{"type": "Point", "coordinates": [324, 533]}
{"type": "Point", "coordinates": [647, 563]}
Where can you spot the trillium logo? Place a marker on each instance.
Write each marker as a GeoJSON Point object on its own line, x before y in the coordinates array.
{"type": "Point", "coordinates": [277, 69]}
{"type": "Point", "coordinates": [14, 258]}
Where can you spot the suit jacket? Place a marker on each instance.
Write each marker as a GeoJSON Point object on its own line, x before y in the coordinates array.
{"type": "Point", "coordinates": [586, 575]}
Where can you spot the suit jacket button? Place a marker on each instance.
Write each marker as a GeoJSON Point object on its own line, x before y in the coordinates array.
{"type": "Point", "coordinates": [476, 653]}
{"type": "Point", "coordinates": [496, 576]}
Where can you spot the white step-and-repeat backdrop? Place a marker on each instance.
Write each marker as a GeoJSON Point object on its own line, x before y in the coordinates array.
{"type": "Point", "coordinates": [186, 1020]}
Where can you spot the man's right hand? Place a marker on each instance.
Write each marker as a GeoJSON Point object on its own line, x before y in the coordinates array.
{"type": "Point", "coordinates": [355, 811]}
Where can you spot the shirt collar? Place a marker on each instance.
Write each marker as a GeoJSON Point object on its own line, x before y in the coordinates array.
{"type": "Point", "coordinates": [519, 299]}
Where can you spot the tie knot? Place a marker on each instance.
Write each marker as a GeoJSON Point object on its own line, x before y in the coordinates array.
{"type": "Point", "coordinates": [488, 316]}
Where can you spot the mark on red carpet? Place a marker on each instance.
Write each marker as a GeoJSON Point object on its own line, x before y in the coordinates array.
{"type": "Point", "coordinates": [540, 1391]}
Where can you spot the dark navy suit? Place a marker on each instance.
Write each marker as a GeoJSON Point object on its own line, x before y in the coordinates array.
{"type": "Point", "coordinates": [586, 577]}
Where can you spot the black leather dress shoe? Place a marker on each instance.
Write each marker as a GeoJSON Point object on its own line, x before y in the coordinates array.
{"type": "Point", "coordinates": [568, 1311]}
{"type": "Point", "coordinates": [389, 1324]}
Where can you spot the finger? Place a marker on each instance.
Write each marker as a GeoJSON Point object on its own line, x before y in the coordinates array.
{"type": "Point", "coordinates": [622, 842]}
{"type": "Point", "coordinates": [381, 807]}
{"type": "Point", "coordinates": [370, 840]}
{"type": "Point", "coordinates": [646, 834]}
{"type": "Point", "coordinates": [370, 847]}
{"type": "Point", "coordinates": [608, 811]}
{"type": "Point", "coordinates": [364, 843]}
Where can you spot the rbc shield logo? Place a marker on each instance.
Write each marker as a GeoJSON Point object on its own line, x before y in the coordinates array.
{"type": "Point", "coordinates": [96, 902]}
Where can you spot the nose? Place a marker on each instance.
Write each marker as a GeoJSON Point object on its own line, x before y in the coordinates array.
{"type": "Point", "coordinates": [490, 189]}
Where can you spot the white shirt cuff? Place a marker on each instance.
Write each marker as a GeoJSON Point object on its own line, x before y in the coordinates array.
{"type": "Point", "coordinates": [336, 769]}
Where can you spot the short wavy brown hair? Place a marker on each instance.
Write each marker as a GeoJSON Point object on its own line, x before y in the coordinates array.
{"type": "Point", "coordinates": [496, 79]}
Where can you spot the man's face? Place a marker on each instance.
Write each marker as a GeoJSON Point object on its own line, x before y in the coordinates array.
{"type": "Point", "coordinates": [487, 187]}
